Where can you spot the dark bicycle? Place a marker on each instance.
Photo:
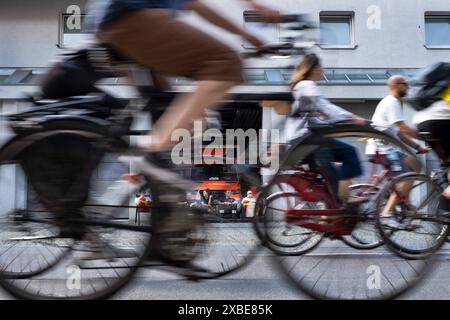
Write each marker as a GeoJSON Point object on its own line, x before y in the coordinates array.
{"type": "Point", "coordinates": [74, 232]}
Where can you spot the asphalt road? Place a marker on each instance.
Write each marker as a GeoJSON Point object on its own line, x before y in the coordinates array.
{"type": "Point", "coordinates": [331, 269]}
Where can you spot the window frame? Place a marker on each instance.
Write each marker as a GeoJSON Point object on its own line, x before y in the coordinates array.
{"type": "Point", "coordinates": [434, 15]}
{"type": "Point", "coordinates": [61, 30]}
{"type": "Point", "coordinates": [248, 13]}
{"type": "Point", "coordinates": [350, 15]}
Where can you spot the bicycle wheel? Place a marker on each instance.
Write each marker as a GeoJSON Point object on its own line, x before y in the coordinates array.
{"type": "Point", "coordinates": [283, 238]}
{"type": "Point", "coordinates": [333, 270]}
{"type": "Point", "coordinates": [27, 247]}
{"type": "Point", "coordinates": [229, 244]}
{"type": "Point", "coordinates": [365, 235]}
{"type": "Point", "coordinates": [105, 250]}
{"type": "Point", "coordinates": [411, 227]}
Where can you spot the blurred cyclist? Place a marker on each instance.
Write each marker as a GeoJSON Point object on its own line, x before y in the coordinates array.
{"type": "Point", "coordinates": [436, 120]}
{"type": "Point", "coordinates": [148, 32]}
{"type": "Point", "coordinates": [309, 99]}
{"type": "Point", "coordinates": [389, 116]}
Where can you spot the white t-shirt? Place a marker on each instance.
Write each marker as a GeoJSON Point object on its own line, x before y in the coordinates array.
{"type": "Point", "coordinates": [437, 111]}
{"type": "Point", "coordinates": [297, 126]}
{"type": "Point", "coordinates": [387, 114]}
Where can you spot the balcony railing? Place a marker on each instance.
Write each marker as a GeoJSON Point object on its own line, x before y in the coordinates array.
{"type": "Point", "coordinates": [254, 76]}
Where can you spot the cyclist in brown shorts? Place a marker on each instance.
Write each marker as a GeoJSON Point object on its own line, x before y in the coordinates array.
{"type": "Point", "coordinates": [147, 32]}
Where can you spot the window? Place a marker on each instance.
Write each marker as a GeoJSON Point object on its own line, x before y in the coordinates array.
{"type": "Point", "coordinates": [266, 32]}
{"type": "Point", "coordinates": [336, 30]}
{"type": "Point", "coordinates": [437, 30]}
{"type": "Point", "coordinates": [72, 34]}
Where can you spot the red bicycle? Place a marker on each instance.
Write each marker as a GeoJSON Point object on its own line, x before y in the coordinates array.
{"type": "Point", "coordinates": [365, 234]}
{"type": "Point", "coordinates": [307, 188]}
{"type": "Point", "coordinates": [298, 210]}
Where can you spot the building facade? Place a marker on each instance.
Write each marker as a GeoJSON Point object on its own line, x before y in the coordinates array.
{"type": "Point", "coordinates": [362, 43]}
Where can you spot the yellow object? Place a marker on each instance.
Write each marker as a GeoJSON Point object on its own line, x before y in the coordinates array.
{"type": "Point", "coordinates": [142, 202]}
{"type": "Point", "coordinates": [446, 94]}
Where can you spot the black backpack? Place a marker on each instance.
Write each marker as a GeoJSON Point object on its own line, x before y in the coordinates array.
{"type": "Point", "coordinates": [429, 85]}
{"type": "Point", "coordinates": [75, 75]}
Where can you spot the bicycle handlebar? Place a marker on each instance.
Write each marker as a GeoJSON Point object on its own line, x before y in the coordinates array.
{"type": "Point", "coordinates": [293, 45]}
{"type": "Point", "coordinates": [301, 21]}
{"type": "Point", "coordinates": [279, 49]}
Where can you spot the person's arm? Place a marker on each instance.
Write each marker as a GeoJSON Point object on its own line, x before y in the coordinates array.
{"type": "Point", "coordinates": [407, 130]}
{"type": "Point", "coordinates": [217, 19]}
{"type": "Point", "coordinates": [410, 142]}
{"type": "Point", "coordinates": [325, 107]}
{"type": "Point", "coordinates": [405, 133]}
{"type": "Point", "coordinates": [333, 111]}
{"type": "Point", "coordinates": [395, 116]}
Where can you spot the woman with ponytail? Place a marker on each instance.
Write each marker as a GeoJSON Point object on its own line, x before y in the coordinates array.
{"type": "Point", "coordinates": [311, 107]}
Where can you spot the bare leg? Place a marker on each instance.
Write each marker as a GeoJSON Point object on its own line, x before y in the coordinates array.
{"type": "Point", "coordinates": [344, 190]}
{"type": "Point", "coordinates": [404, 188]}
{"type": "Point", "coordinates": [446, 192]}
{"type": "Point", "coordinates": [186, 108]}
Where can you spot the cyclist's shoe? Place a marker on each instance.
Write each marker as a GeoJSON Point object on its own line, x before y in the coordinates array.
{"type": "Point", "coordinates": [391, 222]}
{"type": "Point", "coordinates": [160, 167]}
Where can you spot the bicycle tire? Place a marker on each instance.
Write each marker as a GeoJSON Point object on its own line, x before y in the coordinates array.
{"type": "Point", "coordinates": [304, 243]}
{"type": "Point", "coordinates": [230, 245]}
{"type": "Point", "coordinates": [113, 279]}
{"type": "Point", "coordinates": [360, 241]}
{"type": "Point", "coordinates": [17, 233]}
{"type": "Point", "coordinates": [388, 235]}
{"type": "Point", "coordinates": [336, 271]}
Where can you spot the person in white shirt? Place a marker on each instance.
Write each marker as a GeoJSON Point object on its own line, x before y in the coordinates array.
{"type": "Point", "coordinates": [311, 107]}
{"type": "Point", "coordinates": [248, 199]}
{"type": "Point", "coordinates": [389, 116]}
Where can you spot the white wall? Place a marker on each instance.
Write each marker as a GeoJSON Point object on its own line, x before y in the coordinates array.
{"type": "Point", "coordinates": [398, 44]}
{"type": "Point", "coordinates": [29, 30]}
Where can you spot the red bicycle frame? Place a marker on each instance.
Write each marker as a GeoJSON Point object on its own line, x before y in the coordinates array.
{"type": "Point", "coordinates": [333, 220]}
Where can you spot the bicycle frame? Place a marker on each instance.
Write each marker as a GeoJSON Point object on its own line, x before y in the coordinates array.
{"type": "Point", "coordinates": [304, 147]}
{"type": "Point", "coordinates": [330, 221]}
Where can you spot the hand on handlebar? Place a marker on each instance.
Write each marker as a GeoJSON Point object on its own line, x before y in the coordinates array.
{"type": "Point", "coordinates": [423, 150]}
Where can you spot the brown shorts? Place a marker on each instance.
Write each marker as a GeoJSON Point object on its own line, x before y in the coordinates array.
{"type": "Point", "coordinates": [154, 38]}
